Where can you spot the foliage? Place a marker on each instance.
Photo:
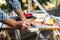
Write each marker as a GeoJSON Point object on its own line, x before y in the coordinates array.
{"type": "Point", "coordinates": [5, 8]}
{"type": "Point", "coordinates": [43, 1]}
{"type": "Point", "coordinates": [40, 1]}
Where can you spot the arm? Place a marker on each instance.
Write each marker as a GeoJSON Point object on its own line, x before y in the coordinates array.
{"type": "Point", "coordinates": [10, 22]}
{"type": "Point", "coordinates": [16, 6]}
{"type": "Point", "coordinates": [6, 20]}
{"type": "Point", "coordinates": [17, 24]}
{"type": "Point", "coordinates": [20, 14]}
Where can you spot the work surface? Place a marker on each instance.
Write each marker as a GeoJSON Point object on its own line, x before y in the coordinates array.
{"type": "Point", "coordinates": [55, 26]}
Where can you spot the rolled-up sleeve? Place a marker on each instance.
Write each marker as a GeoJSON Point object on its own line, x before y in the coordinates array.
{"type": "Point", "coordinates": [14, 4]}
{"type": "Point", "coordinates": [3, 15]}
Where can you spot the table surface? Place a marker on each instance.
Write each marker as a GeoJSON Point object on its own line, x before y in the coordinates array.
{"type": "Point", "coordinates": [56, 26]}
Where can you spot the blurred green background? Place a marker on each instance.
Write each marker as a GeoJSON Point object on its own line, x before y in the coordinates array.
{"type": "Point", "coordinates": [24, 3]}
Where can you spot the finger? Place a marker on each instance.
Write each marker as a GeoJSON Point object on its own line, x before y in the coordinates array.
{"type": "Point", "coordinates": [28, 24]}
{"type": "Point", "coordinates": [24, 26]}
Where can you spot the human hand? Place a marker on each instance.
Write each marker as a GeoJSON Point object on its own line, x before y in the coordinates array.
{"type": "Point", "coordinates": [22, 25]}
{"type": "Point", "coordinates": [30, 23]}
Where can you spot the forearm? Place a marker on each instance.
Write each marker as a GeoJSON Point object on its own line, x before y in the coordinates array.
{"type": "Point", "coordinates": [16, 6]}
{"type": "Point", "coordinates": [10, 22]}
{"type": "Point", "coordinates": [20, 13]}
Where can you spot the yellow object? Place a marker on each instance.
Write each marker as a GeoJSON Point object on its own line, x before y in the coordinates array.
{"type": "Point", "coordinates": [50, 21]}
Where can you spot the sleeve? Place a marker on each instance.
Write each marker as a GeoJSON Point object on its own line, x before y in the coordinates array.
{"type": "Point", "coordinates": [3, 15]}
{"type": "Point", "coordinates": [14, 4]}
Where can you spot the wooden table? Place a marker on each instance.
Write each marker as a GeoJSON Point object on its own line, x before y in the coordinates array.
{"type": "Point", "coordinates": [55, 26]}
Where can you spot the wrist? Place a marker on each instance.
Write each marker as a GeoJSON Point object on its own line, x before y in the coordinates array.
{"type": "Point", "coordinates": [23, 19]}
{"type": "Point", "coordinates": [16, 24]}
{"type": "Point", "coordinates": [19, 24]}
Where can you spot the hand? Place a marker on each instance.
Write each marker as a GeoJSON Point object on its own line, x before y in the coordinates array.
{"type": "Point", "coordinates": [22, 25]}
{"type": "Point", "coordinates": [30, 22]}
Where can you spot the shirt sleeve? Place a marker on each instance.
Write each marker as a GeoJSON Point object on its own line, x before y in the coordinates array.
{"type": "Point", "coordinates": [3, 15]}
{"type": "Point", "coordinates": [14, 4]}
